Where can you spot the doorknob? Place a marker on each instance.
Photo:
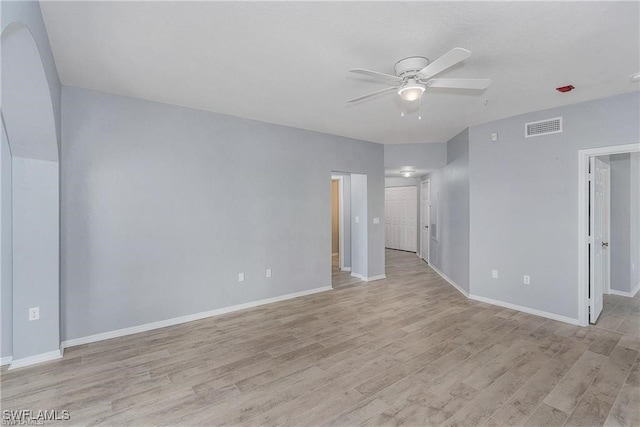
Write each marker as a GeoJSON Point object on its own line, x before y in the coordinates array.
{"type": "Point", "coordinates": [605, 244]}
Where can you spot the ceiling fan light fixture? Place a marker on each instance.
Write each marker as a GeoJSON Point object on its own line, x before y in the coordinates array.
{"type": "Point", "coordinates": [411, 91]}
{"type": "Point", "coordinates": [407, 173]}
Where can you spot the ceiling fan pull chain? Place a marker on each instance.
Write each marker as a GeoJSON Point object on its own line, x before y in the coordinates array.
{"type": "Point", "coordinates": [402, 113]}
{"type": "Point", "coordinates": [419, 108]}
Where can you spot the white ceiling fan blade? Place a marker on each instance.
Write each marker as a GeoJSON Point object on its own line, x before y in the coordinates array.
{"type": "Point", "coordinates": [460, 83]}
{"type": "Point", "coordinates": [377, 75]}
{"type": "Point", "coordinates": [360, 98]}
{"type": "Point", "coordinates": [447, 60]}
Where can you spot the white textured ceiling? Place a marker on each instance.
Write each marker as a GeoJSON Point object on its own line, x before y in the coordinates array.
{"type": "Point", "coordinates": [287, 62]}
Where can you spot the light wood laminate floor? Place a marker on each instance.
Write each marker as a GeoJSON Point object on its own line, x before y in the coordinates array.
{"type": "Point", "coordinates": [407, 350]}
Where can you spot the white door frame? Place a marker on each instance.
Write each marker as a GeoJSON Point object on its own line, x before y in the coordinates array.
{"type": "Point", "coordinates": [426, 182]}
{"type": "Point", "coordinates": [340, 219]}
{"type": "Point", "coordinates": [583, 221]}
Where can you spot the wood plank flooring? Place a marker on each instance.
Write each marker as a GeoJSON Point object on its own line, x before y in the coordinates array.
{"type": "Point", "coordinates": [408, 350]}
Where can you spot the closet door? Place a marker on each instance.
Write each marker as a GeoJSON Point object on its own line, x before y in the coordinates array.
{"type": "Point", "coordinates": [401, 214]}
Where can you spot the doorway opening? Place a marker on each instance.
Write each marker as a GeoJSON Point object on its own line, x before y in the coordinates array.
{"type": "Point", "coordinates": [348, 242]}
{"type": "Point", "coordinates": [609, 233]}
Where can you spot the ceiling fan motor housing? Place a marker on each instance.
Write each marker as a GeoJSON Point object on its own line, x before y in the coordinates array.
{"type": "Point", "coordinates": [408, 67]}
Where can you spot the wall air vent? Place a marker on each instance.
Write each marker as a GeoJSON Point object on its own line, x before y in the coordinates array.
{"type": "Point", "coordinates": [543, 127]}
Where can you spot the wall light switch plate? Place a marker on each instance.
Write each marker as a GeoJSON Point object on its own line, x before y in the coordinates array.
{"type": "Point", "coordinates": [240, 277]}
{"type": "Point", "coordinates": [376, 220]}
{"type": "Point", "coordinates": [494, 137]}
{"type": "Point", "coordinates": [357, 220]}
{"type": "Point", "coordinates": [494, 274]}
{"type": "Point", "coordinates": [526, 279]}
{"type": "Point", "coordinates": [34, 313]}
{"type": "Point", "coordinates": [268, 274]}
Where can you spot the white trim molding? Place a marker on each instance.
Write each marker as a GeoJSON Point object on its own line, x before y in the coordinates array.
{"type": "Point", "coordinates": [450, 281]}
{"type": "Point", "coordinates": [345, 269]}
{"type": "Point", "coordinates": [188, 318]}
{"type": "Point", "coordinates": [368, 279]}
{"type": "Point", "coordinates": [524, 309]}
{"type": "Point", "coordinates": [630, 294]}
{"type": "Point", "coordinates": [32, 360]}
{"type": "Point", "coordinates": [504, 304]}
{"type": "Point", "coordinates": [5, 360]}
{"type": "Point", "coordinates": [583, 221]}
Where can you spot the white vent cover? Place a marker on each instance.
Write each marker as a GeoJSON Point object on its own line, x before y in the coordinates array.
{"type": "Point", "coordinates": [543, 127]}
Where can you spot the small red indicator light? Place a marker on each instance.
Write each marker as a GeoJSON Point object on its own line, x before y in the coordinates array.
{"type": "Point", "coordinates": [567, 88]}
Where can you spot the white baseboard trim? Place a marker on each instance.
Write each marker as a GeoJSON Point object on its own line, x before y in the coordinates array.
{"type": "Point", "coordinates": [368, 279]}
{"type": "Point", "coordinates": [184, 319]}
{"type": "Point", "coordinates": [506, 304]}
{"type": "Point", "coordinates": [631, 294]}
{"type": "Point", "coordinates": [346, 269]}
{"type": "Point", "coordinates": [5, 360]}
{"type": "Point", "coordinates": [451, 282]}
{"type": "Point", "coordinates": [524, 309]}
{"type": "Point", "coordinates": [32, 360]}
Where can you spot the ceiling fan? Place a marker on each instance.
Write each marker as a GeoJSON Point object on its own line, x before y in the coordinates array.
{"type": "Point", "coordinates": [415, 74]}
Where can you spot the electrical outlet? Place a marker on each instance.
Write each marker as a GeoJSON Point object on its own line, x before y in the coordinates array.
{"type": "Point", "coordinates": [526, 279]}
{"type": "Point", "coordinates": [34, 313]}
{"type": "Point", "coordinates": [240, 277]}
{"type": "Point", "coordinates": [494, 274]}
{"type": "Point", "coordinates": [268, 274]}
{"type": "Point", "coordinates": [376, 220]}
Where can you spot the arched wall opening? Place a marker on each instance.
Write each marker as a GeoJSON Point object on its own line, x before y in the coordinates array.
{"type": "Point", "coordinates": [30, 204]}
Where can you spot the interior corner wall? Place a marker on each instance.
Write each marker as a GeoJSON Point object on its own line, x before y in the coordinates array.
{"type": "Point", "coordinates": [29, 13]}
{"type": "Point", "coordinates": [6, 249]}
{"type": "Point", "coordinates": [163, 206]}
{"type": "Point", "coordinates": [524, 200]}
{"type": "Point", "coordinates": [620, 223]}
{"type": "Point", "coordinates": [450, 212]}
{"type": "Point", "coordinates": [634, 243]}
{"type": "Point", "coordinates": [359, 226]}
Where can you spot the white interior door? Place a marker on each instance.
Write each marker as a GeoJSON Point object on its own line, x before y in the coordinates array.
{"type": "Point", "coordinates": [599, 173]}
{"type": "Point", "coordinates": [401, 218]}
{"type": "Point", "coordinates": [425, 213]}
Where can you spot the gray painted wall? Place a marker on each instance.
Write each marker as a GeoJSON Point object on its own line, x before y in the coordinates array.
{"type": "Point", "coordinates": [31, 114]}
{"type": "Point", "coordinates": [6, 249]}
{"type": "Point", "coordinates": [35, 256]}
{"type": "Point", "coordinates": [450, 205]}
{"type": "Point", "coordinates": [163, 206]}
{"type": "Point", "coordinates": [620, 227]}
{"type": "Point", "coordinates": [421, 156]}
{"type": "Point", "coordinates": [635, 221]}
{"type": "Point", "coordinates": [359, 225]}
{"type": "Point", "coordinates": [524, 200]}
{"type": "Point", "coordinates": [28, 12]}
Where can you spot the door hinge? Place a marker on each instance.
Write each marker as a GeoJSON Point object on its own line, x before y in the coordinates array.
{"type": "Point", "coordinates": [590, 175]}
{"type": "Point", "coordinates": [590, 240]}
